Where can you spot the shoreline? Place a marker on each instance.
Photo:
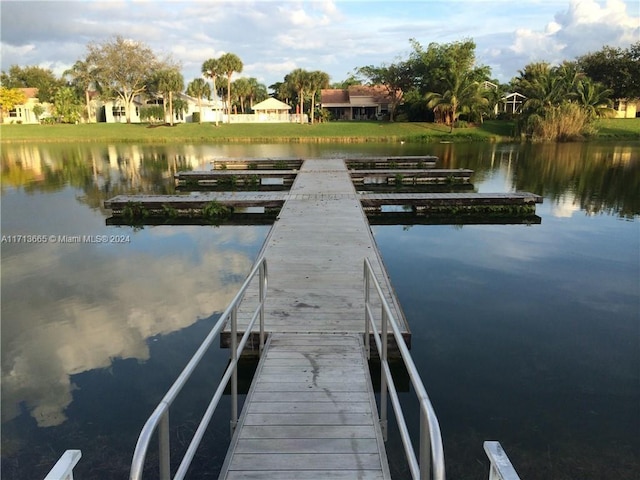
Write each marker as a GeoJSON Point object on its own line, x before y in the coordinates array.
{"type": "Point", "coordinates": [332, 132]}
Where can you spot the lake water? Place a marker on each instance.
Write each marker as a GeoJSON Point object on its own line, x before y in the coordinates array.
{"type": "Point", "coordinates": [526, 334]}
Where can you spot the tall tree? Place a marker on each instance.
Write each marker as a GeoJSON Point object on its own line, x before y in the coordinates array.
{"type": "Point", "coordinates": [166, 82]}
{"type": "Point", "coordinates": [300, 81]}
{"type": "Point", "coordinates": [229, 63]}
{"type": "Point", "coordinates": [257, 91]}
{"type": "Point", "coordinates": [317, 81]}
{"type": "Point", "coordinates": [283, 91]}
{"type": "Point", "coordinates": [594, 98]}
{"type": "Point", "coordinates": [396, 79]}
{"type": "Point", "coordinates": [616, 68]}
{"type": "Point", "coordinates": [242, 90]}
{"type": "Point", "coordinates": [431, 66]}
{"type": "Point", "coordinates": [84, 77]}
{"type": "Point", "coordinates": [347, 82]}
{"type": "Point", "coordinates": [66, 105]}
{"type": "Point", "coordinates": [199, 89]}
{"type": "Point", "coordinates": [211, 70]}
{"type": "Point", "coordinates": [33, 77]}
{"type": "Point", "coordinates": [561, 103]}
{"type": "Point", "coordinates": [463, 94]}
{"type": "Point", "coordinates": [124, 67]}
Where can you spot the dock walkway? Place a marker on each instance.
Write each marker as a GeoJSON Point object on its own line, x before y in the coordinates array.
{"type": "Point", "coordinates": [315, 252]}
{"type": "Point", "coordinates": [310, 412]}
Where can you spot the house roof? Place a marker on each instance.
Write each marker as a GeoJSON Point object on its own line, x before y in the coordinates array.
{"type": "Point", "coordinates": [352, 96]}
{"type": "Point", "coordinates": [378, 92]}
{"type": "Point", "coordinates": [30, 92]}
{"type": "Point", "coordinates": [334, 95]}
{"type": "Point", "coordinates": [271, 104]}
{"type": "Point", "coordinates": [515, 95]}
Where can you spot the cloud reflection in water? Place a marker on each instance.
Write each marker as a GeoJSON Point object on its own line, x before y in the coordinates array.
{"type": "Point", "coordinates": [71, 308]}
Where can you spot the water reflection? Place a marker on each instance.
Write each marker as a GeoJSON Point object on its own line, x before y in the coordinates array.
{"type": "Point", "coordinates": [596, 178]}
{"type": "Point", "coordinates": [71, 308]}
{"type": "Point", "coordinates": [535, 324]}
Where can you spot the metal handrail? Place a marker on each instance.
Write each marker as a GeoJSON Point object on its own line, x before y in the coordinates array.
{"type": "Point", "coordinates": [159, 419]}
{"type": "Point", "coordinates": [501, 467]}
{"type": "Point", "coordinates": [431, 452]}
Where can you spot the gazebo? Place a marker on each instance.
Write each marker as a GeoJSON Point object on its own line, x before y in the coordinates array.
{"type": "Point", "coordinates": [272, 110]}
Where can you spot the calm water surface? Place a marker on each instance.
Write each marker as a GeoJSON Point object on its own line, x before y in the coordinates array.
{"type": "Point", "coordinates": [525, 334]}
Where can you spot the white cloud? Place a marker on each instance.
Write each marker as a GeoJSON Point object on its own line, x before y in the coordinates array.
{"type": "Point", "coordinates": [334, 36]}
{"type": "Point", "coordinates": [586, 25]}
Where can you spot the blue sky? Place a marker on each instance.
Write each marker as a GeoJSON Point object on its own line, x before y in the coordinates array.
{"type": "Point", "coordinates": [274, 37]}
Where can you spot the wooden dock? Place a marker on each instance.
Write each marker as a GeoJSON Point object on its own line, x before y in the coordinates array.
{"type": "Point", "coordinates": [259, 178]}
{"type": "Point", "coordinates": [315, 252]}
{"type": "Point", "coordinates": [310, 414]}
{"type": "Point", "coordinates": [236, 177]}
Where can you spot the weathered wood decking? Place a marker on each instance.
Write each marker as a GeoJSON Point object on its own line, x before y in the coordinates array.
{"type": "Point", "coordinates": [358, 177]}
{"type": "Point", "coordinates": [315, 251]}
{"type": "Point", "coordinates": [310, 414]}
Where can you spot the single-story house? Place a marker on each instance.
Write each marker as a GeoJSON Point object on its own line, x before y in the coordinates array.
{"type": "Point", "coordinates": [212, 110]}
{"type": "Point", "coordinates": [358, 102]}
{"type": "Point", "coordinates": [626, 108]}
{"type": "Point", "coordinates": [271, 110]}
{"type": "Point", "coordinates": [24, 113]}
{"type": "Point", "coordinates": [114, 111]}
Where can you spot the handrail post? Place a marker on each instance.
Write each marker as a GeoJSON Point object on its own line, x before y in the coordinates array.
{"type": "Point", "coordinates": [234, 374]}
{"type": "Point", "coordinates": [367, 342]}
{"type": "Point", "coordinates": [425, 446]}
{"type": "Point", "coordinates": [164, 447]}
{"type": "Point", "coordinates": [263, 291]}
{"type": "Point", "coordinates": [383, 376]}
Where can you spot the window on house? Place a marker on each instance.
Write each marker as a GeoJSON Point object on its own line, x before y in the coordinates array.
{"type": "Point", "coordinates": [13, 113]}
{"type": "Point", "coordinates": [118, 111]}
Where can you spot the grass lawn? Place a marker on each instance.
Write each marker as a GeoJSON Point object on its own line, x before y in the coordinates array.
{"type": "Point", "coordinates": [262, 133]}
{"type": "Point", "coordinates": [622, 128]}
{"type": "Point", "coordinates": [351, 132]}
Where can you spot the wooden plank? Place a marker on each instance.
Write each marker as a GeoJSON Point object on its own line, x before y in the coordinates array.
{"type": "Point", "coordinates": [307, 445]}
{"type": "Point", "coordinates": [308, 431]}
{"type": "Point", "coordinates": [298, 387]}
{"type": "Point", "coordinates": [306, 461]}
{"type": "Point", "coordinates": [256, 419]}
{"type": "Point", "coordinates": [307, 475]}
{"type": "Point", "coordinates": [311, 397]}
{"type": "Point", "coordinates": [285, 407]}
{"type": "Point", "coordinates": [295, 421]}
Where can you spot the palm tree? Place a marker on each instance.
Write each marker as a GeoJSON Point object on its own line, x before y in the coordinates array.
{"type": "Point", "coordinates": [199, 89]}
{"type": "Point", "coordinates": [242, 89]}
{"type": "Point", "coordinates": [463, 95]}
{"type": "Point", "coordinates": [83, 74]}
{"type": "Point", "coordinates": [318, 81]}
{"type": "Point", "coordinates": [594, 98]}
{"type": "Point", "coordinates": [300, 81]}
{"type": "Point", "coordinates": [542, 86]}
{"type": "Point", "coordinates": [166, 82]}
{"type": "Point", "coordinates": [229, 63]}
{"type": "Point", "coordinates": [257, 91]}
{"type": "Point", "coordinates": [211, 69]}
